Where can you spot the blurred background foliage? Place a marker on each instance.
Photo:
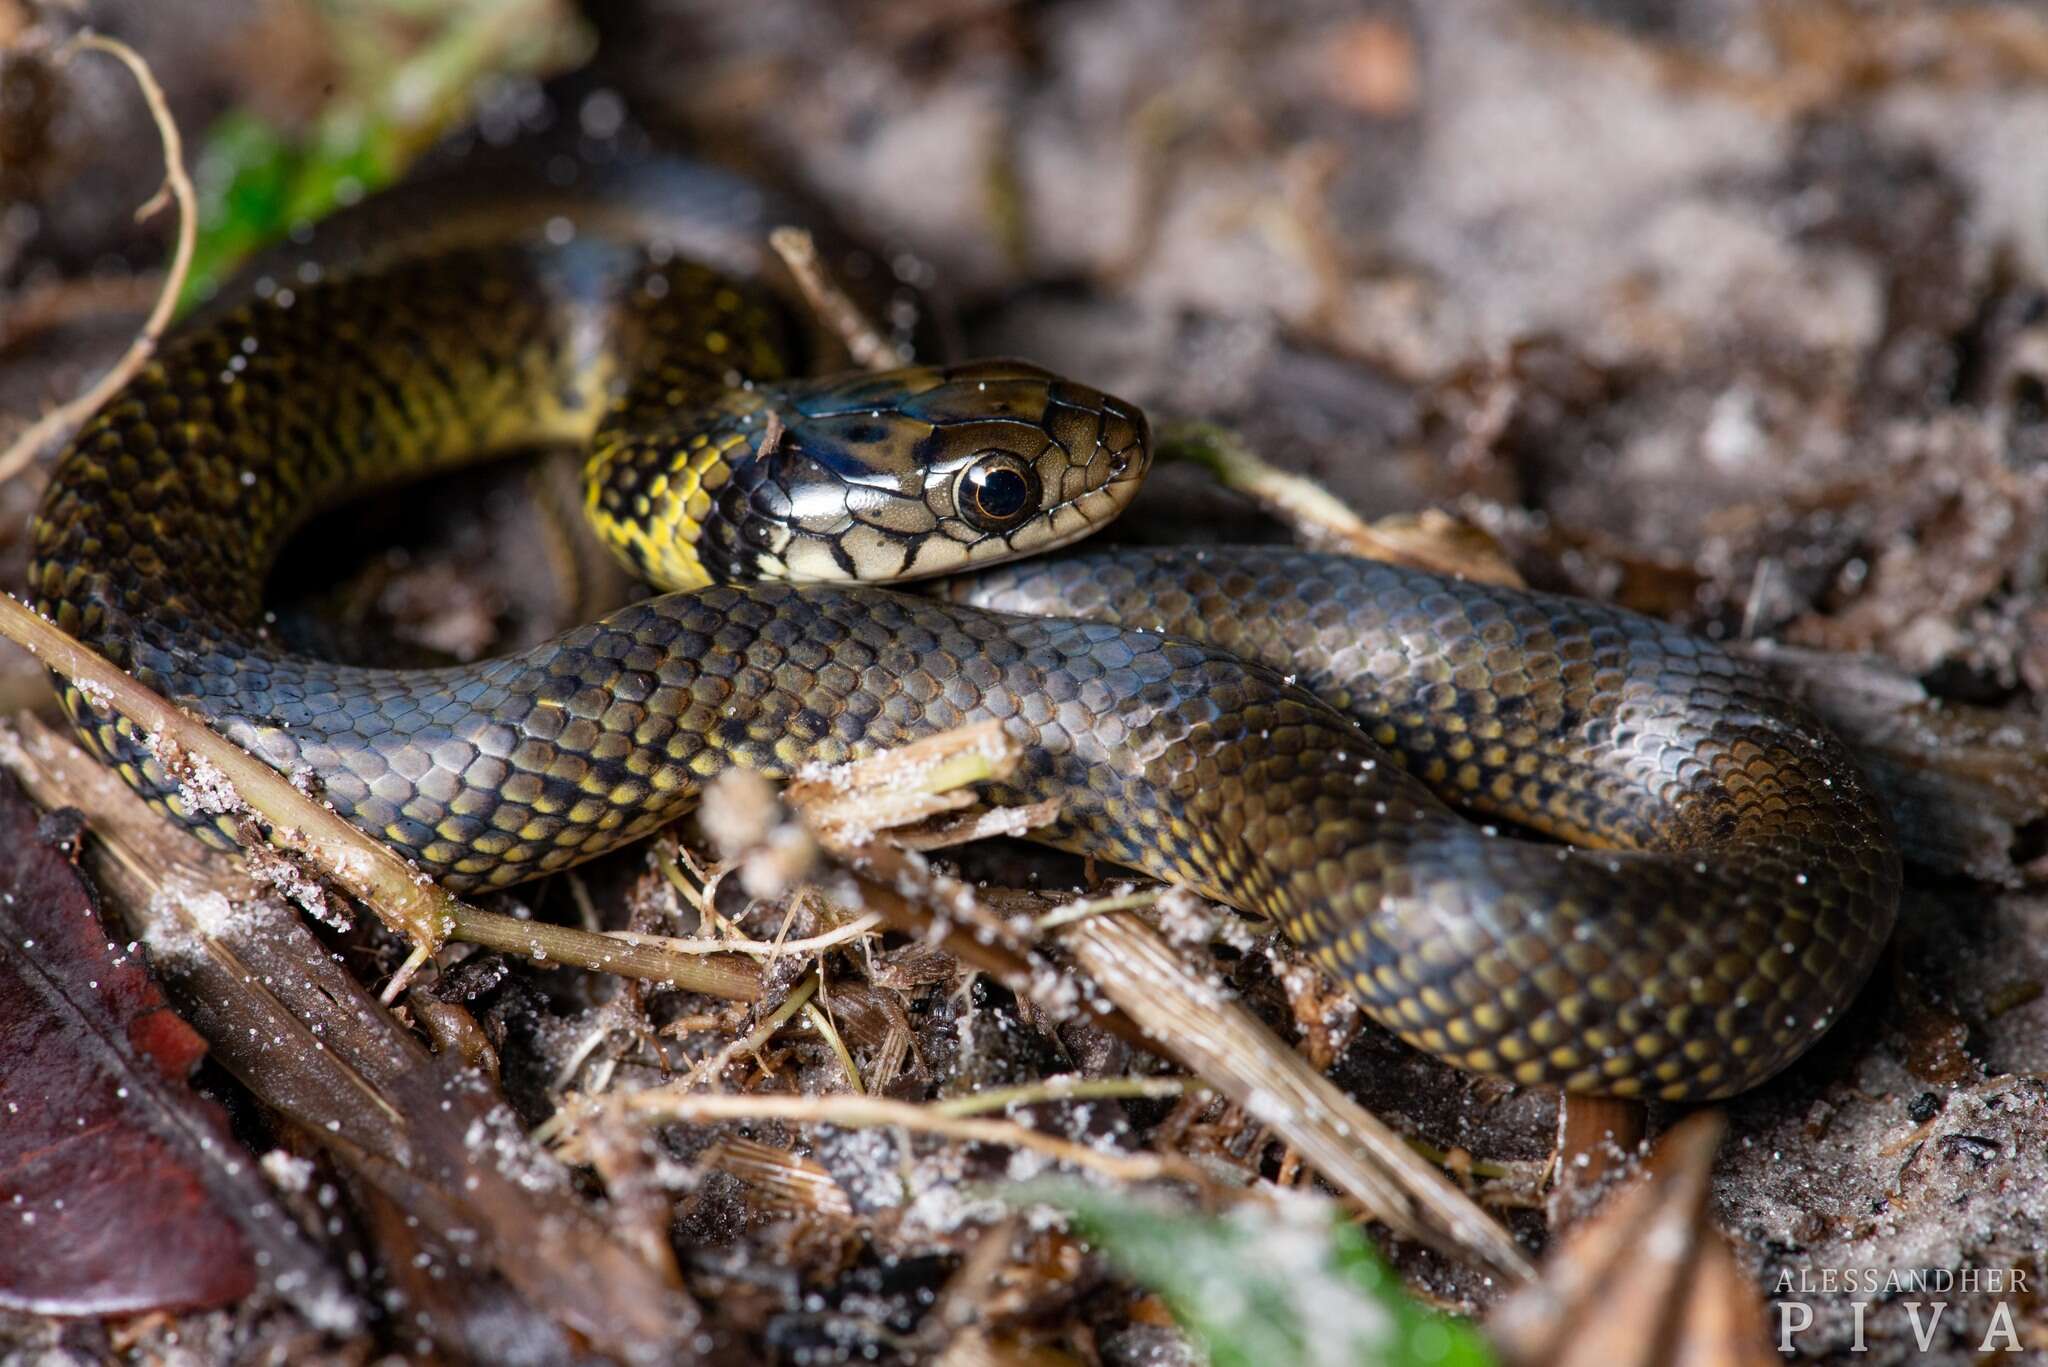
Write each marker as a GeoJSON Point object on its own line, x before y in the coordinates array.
{"type": "Point", "coordinates": [403, 73]}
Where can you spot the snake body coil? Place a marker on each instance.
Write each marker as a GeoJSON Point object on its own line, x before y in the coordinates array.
{"type": "Point", "coordinates": [1746, 878]}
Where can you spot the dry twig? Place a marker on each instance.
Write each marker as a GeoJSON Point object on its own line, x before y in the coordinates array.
{"type": "Point", "coordinates": [866, 345]}
{"type": "Point", "coordinates": [407, 901]}
{"type": "Point", "coordinates": [177, 188]}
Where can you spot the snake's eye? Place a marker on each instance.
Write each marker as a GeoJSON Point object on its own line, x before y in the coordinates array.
{"type": "Point", "coordinates": [997, 492]}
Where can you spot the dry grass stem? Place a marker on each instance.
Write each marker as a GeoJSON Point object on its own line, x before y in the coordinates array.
{"type": "Point", "coordinates": [670, 1104]}
{"type": "Point", "coordinates": [1097, 906]}
{"type": "Point", "coordinates": [809, 944]}
{"type": "Point", "coordinates": [754, 1039]}
{"type": "Point", "coordinates": [729, 976]}
{"type": "Point", "coordinates": [1427, 541]}
{"type": "Point", "coordinates": [1062, 1089]}
{"type": "Point", "coordinates": [944, 832]}
{"type": "Point", "coordinates": [176, 189]}
{"type": "Point", "coordinates": [821, 1021]}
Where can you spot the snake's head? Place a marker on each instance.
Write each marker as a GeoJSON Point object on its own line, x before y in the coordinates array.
{"type": "Point", "coordinates": [927, 470]}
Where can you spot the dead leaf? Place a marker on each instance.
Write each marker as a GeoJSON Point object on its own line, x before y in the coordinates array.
{"type": "Point", "coordinates": [1647, 1279]}
{"type": "Point", "coordinates": [112, 1173]}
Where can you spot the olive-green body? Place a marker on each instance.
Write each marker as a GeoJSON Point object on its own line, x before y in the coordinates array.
{"type": "Point", "coordinates": [1741, 875]}
{"type": "Point", "coordinates": [1748, 877]}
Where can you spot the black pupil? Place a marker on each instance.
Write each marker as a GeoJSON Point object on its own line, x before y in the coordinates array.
{"type": "Point", "coordinates": [1000, 493]}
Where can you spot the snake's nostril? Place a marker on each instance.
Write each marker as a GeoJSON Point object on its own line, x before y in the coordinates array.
{"type": "Point", "coordinates": [1120, 437]}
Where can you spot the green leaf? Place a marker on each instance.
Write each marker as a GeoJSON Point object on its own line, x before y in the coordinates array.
{"type": "Point", "coordinates": [255, 185]}
{"type": "Point", "coordinates": [244, 177]}
{"type": "Point", "coordinates": [1258, 1288]}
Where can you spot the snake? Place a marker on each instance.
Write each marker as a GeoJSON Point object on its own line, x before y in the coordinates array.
{"type": "Point", "coordinates": [1537, 837]}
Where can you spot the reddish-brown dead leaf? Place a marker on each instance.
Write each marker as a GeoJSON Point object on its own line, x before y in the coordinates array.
{"type": "Point", "coordinates": [107, 1204]}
